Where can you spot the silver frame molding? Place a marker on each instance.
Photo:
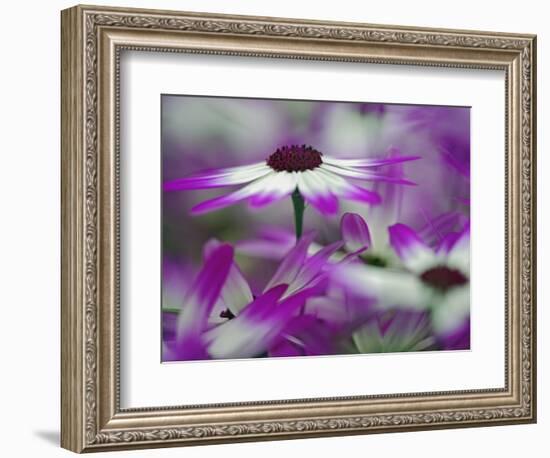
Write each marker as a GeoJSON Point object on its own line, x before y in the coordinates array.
{"type": "Point", "coordinates": [92, 40]}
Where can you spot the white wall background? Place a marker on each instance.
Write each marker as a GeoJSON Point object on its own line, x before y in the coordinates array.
{"type": "Point", "coordinates": [29, 233]}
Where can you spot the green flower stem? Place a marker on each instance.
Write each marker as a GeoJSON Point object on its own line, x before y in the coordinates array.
{"type": "Point", "coordinates": [299, 207]}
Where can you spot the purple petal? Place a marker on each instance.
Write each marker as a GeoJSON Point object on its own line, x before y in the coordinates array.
{"type": "Point", "coordinates": [432, 232]}
{"type": "Point", "coordinates": [287, 347]}
{"type": "Point", "coordinates": [265, 199]}
{"type": "Point", "coordinates": [459, 164]}
{"type": "Point", "coordinates": [328, 309]}
{"type": "Point", "coordinates": [199, 302]}
{"type": "Point", "coordinates": [219, 178]}
{"type": "Point", "coordinates": [465, 233]}
{"type": "Point", "coordinates": [326, 204]}
{"type": "Point", "coordinates": [257, 327]}
{"type": "Point", "coordinates": [459, 254]}
{"type": "Point", "coordinates": [391, 195]}
{"type": "Point", "coordinates": [350, 257]}
{"type": "Point", "coordinates": [245, 335]}
{"type": "Point", "coordinates": [314, 266]}
{"type": "Point", "coordinates": [236, 293]}
{"type": "Point", "coordinates": [220, 202]}
{"type": "Point", "coordinates": [208, 284]}
{"type": "Point", "coordinates": [305, 335]}
{"type": "Point", "coordinates": [458, 339]}
{"type": "Point", "coordinates": [366, 175]}
{"type": "Point", "coordinates": [359, 194]}
{"type": "Point", "coordinates": [263, 305]}
{"type": "Point", "coordinates": [191, 348]}
{"type": "Point", "coordinates": [290, 305]}
{"type": "Point", "coordinates": [273, 243]}
{"type": "Point", "coordinates": [279, 186]}
{"type": "Point", "coordinates": [389, 179]}
{"type": "Point", "coordinates": [317, 192]}
{"type": "Point", "coordinates": [355, 232]}
{"type": "Point", "coordinates": [448, 242]}
{"type": "Point", "coordinates": [369, 162]}
{"type": "Point", "coordinates": [410, 248]}
{"type": "Point", "coordinates": [234, 197]}
{"type": "Point", "coordinates": [343, 188]}
{"type": "Point", "coordinates": [292, 263]}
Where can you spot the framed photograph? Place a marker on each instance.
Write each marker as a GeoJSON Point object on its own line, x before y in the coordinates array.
{"type": "Point", "coordinates": [279, 228]}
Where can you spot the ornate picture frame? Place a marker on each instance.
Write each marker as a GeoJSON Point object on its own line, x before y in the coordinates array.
{"type": "Point", "coordinates": [93, 39]}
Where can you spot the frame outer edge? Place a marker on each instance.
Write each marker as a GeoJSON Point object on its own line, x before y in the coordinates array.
{"type": "Point", "coordinates": [82, 378]}
{"type": "Point", "coordinates": [72, 227]}
{"type": "Point", "coordinates": [533, 214]}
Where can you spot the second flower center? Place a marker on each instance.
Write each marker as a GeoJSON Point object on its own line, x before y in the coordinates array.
{"type": "Point", "coordinates": [443, 278]}
{"type": "Point", "coordinates": [295, 158]}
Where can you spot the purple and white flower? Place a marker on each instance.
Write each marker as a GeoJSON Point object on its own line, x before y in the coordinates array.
{"type": "Point", "coordinates": [198, 302]}
{"type": "Point", "coordinates": [321, 180]}
{"type": "Point", "coordinates": [436, 280]}
{"type": "Point", "coordinates": [223, 319]}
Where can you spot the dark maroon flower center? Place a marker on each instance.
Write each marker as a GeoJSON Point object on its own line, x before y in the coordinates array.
{"type": "Point", "coordinates": [443, 277]}
{"type": "Point", "coordinates": [295, 158]}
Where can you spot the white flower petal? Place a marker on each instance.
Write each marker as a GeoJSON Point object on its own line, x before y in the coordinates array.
{"type": "Point", "coordinates": [316, 191]}
{"type": "Point", "coordinates": [219, 178]}
{"type": "Point", "coordinates": [343, 188]}
{"type": "Point", "coordinates": [369, 161]}
{"type": "Point", "coordinates": [280, 185]}
{"type": "Point", "coordinates": [236, 292]}
{"type": "Point", "coordinates": [363, 174]}
{"type": "Point", "coordinates": [451, 310]}
{"type": "Point", "coordinates": [241, 194]}
{"type": "Point", "coordinates": [238, 338]}
{"type": "Point", "coordinates": [414, 253]}
{"type": "Point", "coordinates": [391, 288]}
